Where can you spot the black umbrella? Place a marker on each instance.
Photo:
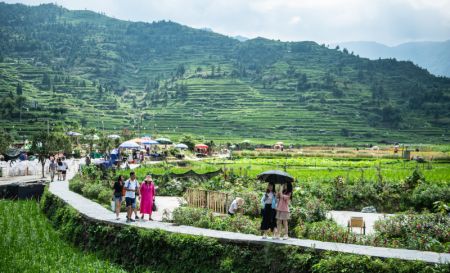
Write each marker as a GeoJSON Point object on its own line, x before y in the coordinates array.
{"type": "Point", "coordinates": [275, 177]}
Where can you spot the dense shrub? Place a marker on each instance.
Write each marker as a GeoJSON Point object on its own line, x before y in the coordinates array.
{"type": "Point", "coordinates": [92, 190]}
{"type": "Point", "coordinates": [76, 184]}
{"type": "Point", "coordinates": [427, 231]}
{"type": "Point", "coordinates": [427, 193]}
{"type": "Point", "coordinates": [338, 263]}
{"type": "Point", "coordinates": [204, 218]}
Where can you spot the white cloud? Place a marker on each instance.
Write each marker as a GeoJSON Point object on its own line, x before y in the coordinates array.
{"type": "Point", "coordinates": [387, 21]}
{"type": "Point", "coordinates": [295, 20]}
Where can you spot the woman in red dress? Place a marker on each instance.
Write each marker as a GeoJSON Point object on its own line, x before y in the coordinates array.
{"type": "Point", "coordinates": [147, 191]}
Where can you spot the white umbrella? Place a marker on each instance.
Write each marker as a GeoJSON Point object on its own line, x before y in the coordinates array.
{"type": "Point", "coordinates": [181, 146]}
{"type": "Point", "coordinates": [129, 145]}
{"type": "Point", "coordinates": [113, 136]}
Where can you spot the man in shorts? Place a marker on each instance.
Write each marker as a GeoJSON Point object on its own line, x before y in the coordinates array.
{"type": "Point", "coordinates": [131, 187]}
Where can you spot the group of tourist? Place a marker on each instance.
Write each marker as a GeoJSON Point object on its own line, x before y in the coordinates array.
{"type": "Point", "coordinates": [58, 166]}
{"type": "Point", "coordinates": [274, 210]}
{"type": "Point", "coordinates": [131, 189]}
{"type": "Point", "coordinates": [274, 205]}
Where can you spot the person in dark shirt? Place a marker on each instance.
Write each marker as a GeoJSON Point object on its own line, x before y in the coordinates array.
{"type": "Point", "coordinates": [117, 195]}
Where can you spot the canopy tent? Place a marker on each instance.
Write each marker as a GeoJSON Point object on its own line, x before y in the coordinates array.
{"type": "Point", "coordinates": [201, 146]}
{"type": "Point", "coordinates": [75, 134]}
{"type": "Point", "coordinates": [129, 145]}
{"type": "Point", "coordinates": [181, 146]}
{"type": "Point", "coordinates": [137, 140]}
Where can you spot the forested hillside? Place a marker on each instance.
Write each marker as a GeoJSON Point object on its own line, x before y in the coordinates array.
{"type": "Point", "coordinates": [80, 68]}
{"type": "Point", "coordinates": [434, 56]}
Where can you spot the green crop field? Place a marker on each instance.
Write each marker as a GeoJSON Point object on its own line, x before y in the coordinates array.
{"type": "Point", "coordinates": [314, 169]}
{"type": "Point", "coordinates": [28, 243]}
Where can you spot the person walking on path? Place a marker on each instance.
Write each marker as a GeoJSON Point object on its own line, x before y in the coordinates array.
{"type": "Point", "coordinates": [52, 169]}
{"type": "Point", "coordinates": [88, 160]}
{"type": "Point", "coordinates": [147, 191]}
{"type": "Point", "coordinates": [59, 167]}
{"type": "Point", "coordinates": [117, 194]}
{"type": "Point", "coordinates": [283, 214]}
{"type": "Point", "coordinates": [269, 204]}
{"type": "Point", "coordinates": [131, 186]}
{"type": "Point", "coordinates": [65, 167]}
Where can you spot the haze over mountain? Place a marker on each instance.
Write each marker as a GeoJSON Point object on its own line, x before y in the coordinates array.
{"type": "Point", "coordinates": [80, 68]}
{"type": "Point", "coordinates": [434, 56]}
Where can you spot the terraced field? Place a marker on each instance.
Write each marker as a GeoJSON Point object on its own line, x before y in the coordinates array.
{"type": "Point", "coordinates": [83, 69]}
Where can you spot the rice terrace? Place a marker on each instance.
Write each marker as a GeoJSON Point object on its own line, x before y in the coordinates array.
{"type": "Point", "coordinates": [225, 136]}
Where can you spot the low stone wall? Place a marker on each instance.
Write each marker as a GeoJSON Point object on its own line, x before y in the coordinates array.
{"type": "Point", "coordinates": [23, 190]}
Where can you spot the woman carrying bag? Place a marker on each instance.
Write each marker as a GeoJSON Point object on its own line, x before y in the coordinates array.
{"type": "Point", "coordinates": [147, 192]}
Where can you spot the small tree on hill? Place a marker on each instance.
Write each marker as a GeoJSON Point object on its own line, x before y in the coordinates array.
{"type": "Point", "coordinates": [5, 141]}
{"type": "Point", "coordinates": [19, 89]}
{"type": "Point", "coordinates": [189, 141]}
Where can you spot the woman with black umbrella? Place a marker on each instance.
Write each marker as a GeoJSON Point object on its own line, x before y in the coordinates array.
{"type": "Point", "coordinates": [268, 204]}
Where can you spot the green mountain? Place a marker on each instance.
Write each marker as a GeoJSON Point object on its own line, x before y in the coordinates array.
{"type": "Point", "coordinates": [434, 56]}
{"type": "Point", "coordinates": [79, 68]}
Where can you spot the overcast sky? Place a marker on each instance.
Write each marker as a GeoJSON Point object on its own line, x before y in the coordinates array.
{"type": "Point", "coordinates": [325, 21]}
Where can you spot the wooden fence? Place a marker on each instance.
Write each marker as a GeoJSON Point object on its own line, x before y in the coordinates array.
{"type": "Point", "coordinates": [213, 200]}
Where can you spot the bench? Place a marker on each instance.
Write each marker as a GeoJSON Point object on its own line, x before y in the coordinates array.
{"type": "Point", "coordinates": [357, 222]}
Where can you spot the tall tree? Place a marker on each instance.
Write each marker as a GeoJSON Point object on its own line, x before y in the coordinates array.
{"type": "Point", "coordinates": [5, 141]}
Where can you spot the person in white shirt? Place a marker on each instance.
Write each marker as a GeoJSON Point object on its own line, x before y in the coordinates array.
{"type": "Point", "coordinates": [235, 206]}
{"type": "Point", "coordinates": [131, 187]}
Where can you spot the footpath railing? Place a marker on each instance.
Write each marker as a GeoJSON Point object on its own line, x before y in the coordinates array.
{"type": "Point", "coordinates": [213, 200]}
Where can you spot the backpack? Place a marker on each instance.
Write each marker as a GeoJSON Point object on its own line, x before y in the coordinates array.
{"type": "Point", "coordinates": [124, 191]}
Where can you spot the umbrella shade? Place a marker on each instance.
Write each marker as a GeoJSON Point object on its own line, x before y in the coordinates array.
{"type": "Point", "coordinates": [129, 145]}
{"type": "Point", "coordinates": [164, 140]}
{"type": "Point", "coordinates": [73, 134]}
{"type": "Point", "coordinates": [148, 141]}
{"type": "Point", "coordinates": [113, 136]}
{"type": "Point", "coordinates": [201, 146]}
{"type": "Point", "coordinates": [181, 146]}
{"type": "Point", "coordinates": [275, 177]}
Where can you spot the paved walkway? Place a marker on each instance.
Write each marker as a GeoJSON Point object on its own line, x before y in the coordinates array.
{"type": "Point", "coordinates": [95, 211]}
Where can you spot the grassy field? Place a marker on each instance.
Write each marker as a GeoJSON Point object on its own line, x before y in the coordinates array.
{"type": "Point", "coordinates": [28, 243]}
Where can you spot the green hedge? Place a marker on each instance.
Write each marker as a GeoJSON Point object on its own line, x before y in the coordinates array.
{"type": "Point", "coordinates": [141, 249]}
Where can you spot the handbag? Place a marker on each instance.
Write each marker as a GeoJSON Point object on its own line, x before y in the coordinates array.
{"type": "Point", "coordinates": [113, 205]}
{"type": "Point", "coordinates": [154, 208]}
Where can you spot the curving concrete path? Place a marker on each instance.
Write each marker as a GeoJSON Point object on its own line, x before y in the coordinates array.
{"type": "Point", "coordinates": [96, 211]}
